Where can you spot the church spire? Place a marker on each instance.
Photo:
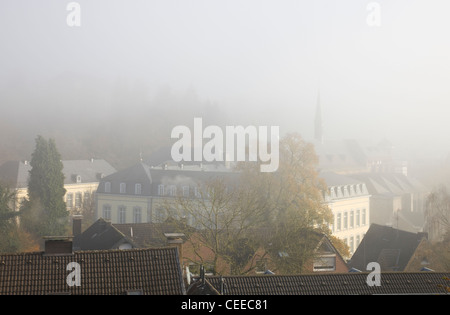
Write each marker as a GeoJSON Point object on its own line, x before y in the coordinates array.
{"type": "Point", "coordinates": [318, 128]}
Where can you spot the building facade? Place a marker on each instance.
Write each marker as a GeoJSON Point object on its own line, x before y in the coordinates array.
{"type": "Point", "coordinates": [139, 194]}
{"type": "Point", "coordinates": [81, 179]}
{"type": "Point", "coordinates": [349, 201]}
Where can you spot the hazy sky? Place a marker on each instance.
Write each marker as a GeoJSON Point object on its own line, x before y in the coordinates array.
{"type": "Point", "coordinates": [264, 60]}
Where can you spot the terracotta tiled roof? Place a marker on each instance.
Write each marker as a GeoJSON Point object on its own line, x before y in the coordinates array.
{"type": "Point", "coordinates": [323, 284]}
{"type": "Point", "coordinates": [108, 272]}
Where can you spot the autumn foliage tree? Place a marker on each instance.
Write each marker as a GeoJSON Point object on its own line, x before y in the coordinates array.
{"type": "Point", "coordinates": [280, 212]}
{"type": "Point", "coordinates": [12, 238]}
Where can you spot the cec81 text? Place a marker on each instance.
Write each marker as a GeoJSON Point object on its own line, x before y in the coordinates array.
{"type": "Point", "coordinates": [246, 304]}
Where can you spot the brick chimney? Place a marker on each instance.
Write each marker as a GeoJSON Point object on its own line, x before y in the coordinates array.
{"type": "Point", "coordinates": [58, 245]}
{"type": "Point", "coordinates": [76, 225]}
{"type": "Point", "coordinates": [176, 240]}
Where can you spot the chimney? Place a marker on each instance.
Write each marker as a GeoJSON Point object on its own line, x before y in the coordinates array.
{"type": "Point", "coordinates": [58, 245]}
{"type": "Point", "coordinates": [76, 225]}
{"type": "Point", "coordinates": [176, 240]}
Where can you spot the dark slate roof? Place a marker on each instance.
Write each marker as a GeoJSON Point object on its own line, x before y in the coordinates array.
{"type": "Point", "coordinates": [151, 177]}
{"type": "Point", "coordinates": [90, 171]}
{"type": "Point", "coordinates": [110, 272]}
{"type": "Point", "coordinates": [148, 234]}
{"type": "Point", "coordinates": [390, 247]}
{"type": "Point", "coordinates": [99, 236]}
{"type": "Point", "coordinates": [322, 284]}
{"type": "Point", "coordinates": [16, 173]}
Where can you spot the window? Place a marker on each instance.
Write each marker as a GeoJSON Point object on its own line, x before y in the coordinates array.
{"type": "Point", "coordinates": [352, 244]}
{"type": "Point", "coordinates": [197, 192]}
{"type": "Point", "coordinates": [358, 240]}
{"type": "Point", "coordinates": [107, 187]}
{"type": "Point", "coordinates": [137, 215]}
{"type": "Point", "coordinates": [358, 217]}
{"type": "Point", "coordinates": [172, 190]}
{"type": "Point", "coordinates": [87, 196]}
{"type": "Point", "coordinates": [363, 219]}
{"type": "Point", "coordinates": [122, 213]}
{"type": "Point", "coordinates": [327, 263]}
{"type": "Point", "coordinates": [78, 200]}
{"type": "Point", "coordinates": [78, 179]}
{"type": "Point", "coordinates": [106, 212]}
{"type": "Point", "coordinates": [69, 201]}
{"type": "Point", "coordinates": [185, 191]}
{"type": "Point", "coordinates": [261, 265]}
{"type": "Point", "coordinates": [338, 222]}
{"type": "Point", "coordinates": [160, 190]}
{"type": "Point", "coordinates": [123, 188]}
{"type": "Point", "coordinates": [137, 189]}
{"type": "Point", "coordinates": [352, 219]}
{"type": "Point", "coordinates": [345, 220]}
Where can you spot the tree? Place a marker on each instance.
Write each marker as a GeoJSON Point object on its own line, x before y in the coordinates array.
{"type": "Point", "coordinates": [293, 203]}
{"type": "Point", "coordinates": [45, 211]}
{"type": "Point", "coordinates": [281, 212]}
{"type": "Point", "coordinates": [12, 238]}
{"type": "Point", "coordinates": [437, 214]}
{"type": "Point", "coordinates": [220, 219]}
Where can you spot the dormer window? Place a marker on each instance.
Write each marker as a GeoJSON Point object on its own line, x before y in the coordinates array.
{"type": "Point", "coordinates": [137, 189]}
{"type": "Point", "coordinates": [107, 187]}
{"type": "Point", "coordinates": [123, 188]}
{"type": "Point", "coordinates": [76, 178]}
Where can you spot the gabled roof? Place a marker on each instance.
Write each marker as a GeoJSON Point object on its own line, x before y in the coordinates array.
{"type": "Point", "coordinates": [101, 235]}
{"type": "Point", "coordinates": [354, 283]}
{"type": "Point", "coordinates": [147, 234]}
{"type": "Point", "coordinates": [391, 248]}
{"type": "Point", "coordinates": [109, 272]}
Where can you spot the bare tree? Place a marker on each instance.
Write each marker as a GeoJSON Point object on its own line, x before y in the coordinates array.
{"type": "Point", "coordinates": [437, 214]}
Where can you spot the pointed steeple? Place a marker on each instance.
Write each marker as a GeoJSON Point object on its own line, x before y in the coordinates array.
{"type": "Point", "coordinates": [318, 128]}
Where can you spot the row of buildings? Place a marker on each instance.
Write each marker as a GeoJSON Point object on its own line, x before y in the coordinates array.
{"type": "Point", "coordinates": [356, 197]}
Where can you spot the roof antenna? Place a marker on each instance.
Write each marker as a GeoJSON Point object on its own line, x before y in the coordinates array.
{"type": "Point", "coordinates": [202, 274]}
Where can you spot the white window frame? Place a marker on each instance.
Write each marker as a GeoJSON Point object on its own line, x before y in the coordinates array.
{"type": "Point", "coordinates": [106, 212]}
{"type": "Point", "coordinates": [69, 200]}
{"type": "Point", "coordinates": [123, 188]}
{"type": "Point", "coordinates": [122, 215]}
{"type": "Point", "coordinates": [137, 189]}
{"type": "Point", "coordinates": [137, 215]}
{"type": "Point", "coordinates": [107, 187]}
{"type": "Point", "coordinates": [160, 190]}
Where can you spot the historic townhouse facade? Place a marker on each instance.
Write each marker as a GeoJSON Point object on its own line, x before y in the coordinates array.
{"type": "Point", "coordinates": [81, 179]}
{"type": "Point", "coordinates": [139, 193]}
{"type": "Point", "coordinates": [349, 201]}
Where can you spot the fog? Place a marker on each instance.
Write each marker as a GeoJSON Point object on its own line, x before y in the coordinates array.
{"type": "Point", "coordinates": [133, 70]}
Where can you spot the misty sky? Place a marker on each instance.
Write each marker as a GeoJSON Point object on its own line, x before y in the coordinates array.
{"type": "Point", "coordinates": [258, 59]}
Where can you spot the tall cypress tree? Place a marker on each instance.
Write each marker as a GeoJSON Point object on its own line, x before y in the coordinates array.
{"type": "Point", "coordinates": [45, 207]}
